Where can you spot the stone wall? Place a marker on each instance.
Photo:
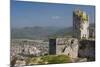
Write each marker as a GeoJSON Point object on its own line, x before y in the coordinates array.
{"type": "Point", "coordinates": [67, 46]}
{"type": "Point", "coordinates": [87, 49]}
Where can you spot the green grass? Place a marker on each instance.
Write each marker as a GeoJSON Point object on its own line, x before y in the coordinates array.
{"type": "Point", "coordinates": [49, 59]}
{"type": "Point", "coordinates": [56, 59]}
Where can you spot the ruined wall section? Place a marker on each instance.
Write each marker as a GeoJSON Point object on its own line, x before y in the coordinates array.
{"type": "Point", "coordinates": [66, 46]}
{"type": "Point", "coordinates": [87, 49]}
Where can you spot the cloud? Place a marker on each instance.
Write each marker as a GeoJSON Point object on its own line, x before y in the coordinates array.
{"type": "Point", "coordinates": [55, 17]}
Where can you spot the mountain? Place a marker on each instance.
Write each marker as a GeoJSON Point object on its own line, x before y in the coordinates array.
{"type": "Point", "coordinates": [38, 32]}
{"type": "Point", "coordinates": [64, 32]}
{"type": "Point", "coordinates": [33, 32]}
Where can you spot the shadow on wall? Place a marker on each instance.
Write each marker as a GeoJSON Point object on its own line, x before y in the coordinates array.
{"type": "Point", "coordinates": [87, 49]}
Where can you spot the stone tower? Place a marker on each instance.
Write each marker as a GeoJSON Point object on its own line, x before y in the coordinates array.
{"type": "Point", "coordinates": [80, 25]}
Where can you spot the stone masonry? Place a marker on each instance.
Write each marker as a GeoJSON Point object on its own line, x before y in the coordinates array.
{"type": "Point", "coordinates": [66, 46]}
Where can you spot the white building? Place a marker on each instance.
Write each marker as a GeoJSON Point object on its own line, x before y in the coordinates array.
{"type": "Point", "coordinates": [80, 25]}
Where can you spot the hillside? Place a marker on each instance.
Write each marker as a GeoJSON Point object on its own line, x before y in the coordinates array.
{"type": "Point", "coordinates": [37, 32]}
{"type": "Point", "coordinates": [41, 32]}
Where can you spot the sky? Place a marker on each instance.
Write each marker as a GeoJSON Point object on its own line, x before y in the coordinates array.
{"type": "Point", "coordinates": [26, 14]}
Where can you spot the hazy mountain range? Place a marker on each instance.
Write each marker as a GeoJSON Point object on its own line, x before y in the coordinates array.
{"type": "Point", "coordinates": [38, 32]}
